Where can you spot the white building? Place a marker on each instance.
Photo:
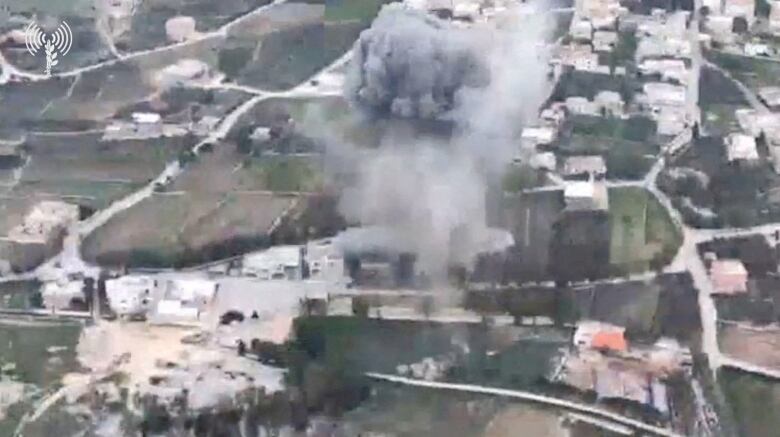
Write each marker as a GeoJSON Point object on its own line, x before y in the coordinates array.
{"type": "Point", "coordinates": [581, 105]}
{"type": "Point", "coordinates": [770, 95]}
{"type": "Point", "coordinates": [131, 295]}
{"type": "Point", "coordinates": [670, 120]}
{"type": "Point", "coordinates": [757, 49]}
{"type": "Point", "coordinates": [581, 57]}
{"type": "Point", "coordinates": [741, 147]}
{"type": "Point", "coordinates": [585, 165]}
{"type": "Point", "coordinates": [668, 69]}
{"type": "Point", "coordinates": [610, 103]}
{"type": "Point", "coordinates": [755, 123]}
{"type": "Point", "coordinates": [721, 28]}
{"type": "Point", "coordinates": [554, 115]}
{"type": "Point", "coordinates": [325, 261]}
{"type": "Point", "coordinates": [543, 161]}
{"type": "Point", "coordinates": [185, 71]}
{"type": "Point", "coordinates": [604, 41]}
{"type": "Point", "coordinates": [148, 124]}
{"type": "Point", "coordinates": [180, 28]}
{"type": "Point", "coordinates": [659, 93]}
{"type": "Point", "coordinates": [586, 196]}
{"type": "Point", "coordinates": [581, 30]}
{"type": "Point", "coordinates": [277, 262]}
{"type": "Point", "coordinates": [740, 8]}
{"type": "Point", "coordinates": [774, 15]}
{"type": "Point", "coordinates": [46, 221]}
{"type": "Point", "coordinates": [539, 135]}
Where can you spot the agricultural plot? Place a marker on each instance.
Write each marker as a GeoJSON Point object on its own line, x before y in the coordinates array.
{"type": "Point", "coordinates": [753, 72]}
{"type": "Point", "coordinates": [751, 399]}
{"type": "Point", "coordinates": [642, 235]}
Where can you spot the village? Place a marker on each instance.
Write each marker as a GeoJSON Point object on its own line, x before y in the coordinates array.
{"type": "Point", "coordinates": [640, 280]}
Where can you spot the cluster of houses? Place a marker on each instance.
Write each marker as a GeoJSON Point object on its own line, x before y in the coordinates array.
{"type": "Point", "coordinates": [602, 361]}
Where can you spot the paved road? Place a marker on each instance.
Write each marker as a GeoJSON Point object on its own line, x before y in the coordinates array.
{"type": "Point", "coordinates": [528, 396]}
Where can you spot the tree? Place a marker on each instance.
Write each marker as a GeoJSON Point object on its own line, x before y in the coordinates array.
{"type": "Point", "coordinates": [739, 26]}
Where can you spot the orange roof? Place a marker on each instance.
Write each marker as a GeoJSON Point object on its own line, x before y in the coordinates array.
{"type": "Point", "coordinates": [609, 340]}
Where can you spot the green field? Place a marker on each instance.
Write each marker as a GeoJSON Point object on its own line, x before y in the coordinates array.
{"type": "Point", "coordinates": [753, 401]}
{"type": "Point", "coordinates": [641, 230]}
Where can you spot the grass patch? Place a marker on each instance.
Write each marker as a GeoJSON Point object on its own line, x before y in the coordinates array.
{"type": "Point", "coordinates": [642, 235]}
{"type": "Point", "coordinates": [752, 400]}
{"type": "Point", "coordinates": [285, 173]}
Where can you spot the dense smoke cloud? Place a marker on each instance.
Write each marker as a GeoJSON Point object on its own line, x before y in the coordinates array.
{"type": "Point", "coordinates": [412, 64]}
{"type": "Point", "coordinates": [488, 80]}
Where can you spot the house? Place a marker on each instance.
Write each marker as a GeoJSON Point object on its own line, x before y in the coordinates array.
{"type": "Point", "coordinates": [325, 261]}
{"type": "Point", "coordinates": [757, 49]}
{"type": "Point", "coordinates": [183, 72]}
{"type": "Point", "coordinates": [554, 115]}
{"type": "Point", "coordinates": [581, 105]}
{"type": "Point", "coordinates": [728, 276]}
{"type": "Point", "coordinates": [586, 196]}
{"type": "Point", "coordinates": [579, 56]}
{"type": "Point", "coordinates": [581, 30]}
{"type": "Point", "coordinates": [543, 161]}
{"type": "Point", "coordinates": [659, 93]}
{"type": "Point", "coordinates": [147, 124]}
{"type": "Point", "coordinates": [466, 10]}
{"type": "Point", "coordinates": [539, 135]}
{"type": "Point", "coordinates": [755, 123]}
{"type": "Point", "coordinates": [670, 120]}
{"type": "Point", "coordinates": [593, 166]}
{"type": "Point", "coordinates": [60, 294]}
{"type": "Point", "coordinates": [599, 335]}
{"type": "Point", "coordinates": [740, 8]}
{"type": "Point", "coordinates": [741, 147]}
{"type": "Point", "coordinates": [774, 15]}
{"type": "Point", "coordinates": [771, 96]}
{"type": "Point", "coordinates": [184, 300]}
{"type": "Point", "coordinates": [609, 103]}
{"type": "Point", "coordinates": [721, 28]}
{"type": "Point", "coordinates": [130, 295]}
{"type": "Point", "coordinates": [180, 28]}
{"type": "Point", "coordinates": [45, 222]}
{"type": "Point", "coordinates": [604, 40]}
{"type": "Point", "coordinates": [668, 69]}
{"type": "Point", "coordinates": [277, 262]}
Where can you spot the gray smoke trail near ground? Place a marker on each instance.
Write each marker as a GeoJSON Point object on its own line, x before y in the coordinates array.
{"type": "Point", "coordinates": [488, 80]}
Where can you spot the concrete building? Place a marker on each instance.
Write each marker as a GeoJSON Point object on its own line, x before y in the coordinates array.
{"type": "Point", "coordinates": [609, 103]}
{"type": "Point", "coordinates": [728, 276]}
{"type": "Point", "coordinates": [131, 295]}
{"type": "Point", "coordinates": [667, 69]}
{"type": "Point", "coordinates": [592, 334]}
{"type": "Point", "coordinates": [604, 40]}
{"type": "Point", "coordinates": [184, 72]}
{"type": "Point", "coordinates": [277, 262]}
{"type": "Point", "coordinates": [543, 161]}
{"type": "Point", "coordinates": [774, 16]}
{"type": "Point", "coordinates": [721, 28]}
{"type": "Point", "coordinates": [539, 135]}
{"type": "Point", "coordinates": [580, 57]}
{"type": "Point", "coordinates": [325, 261]}
{"type": "Point", "coordinates": [586, 196]}
{"type": "Point", "coordinates": [554, 115]}
{"type": "Point", "coordinates": [581, 30]}
{"type": "Point", "coordinates": [659, 93]}
{"type": "Point", "coordinates": [592, 166]}
{"type": "Point", "coordinates": [757, 49]}
{"type": "Point", "coordinates": [180, 28]}
{"type": "Point", "coordinates": [771, 96]}
{"type": "Point", "coordinates": [581, 106]}
{"type": "Point", "coordinates": [741, 147]}
{"type": "Point", "coordinates": [755, 123]}
{"type": "Point", "coordinates": [740, 8]}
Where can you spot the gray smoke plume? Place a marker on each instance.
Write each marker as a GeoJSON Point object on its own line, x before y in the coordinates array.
{"type": "Point", "coordinates": [489, 80]}
{"type": "Point", "coordinates": [412, 64]}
